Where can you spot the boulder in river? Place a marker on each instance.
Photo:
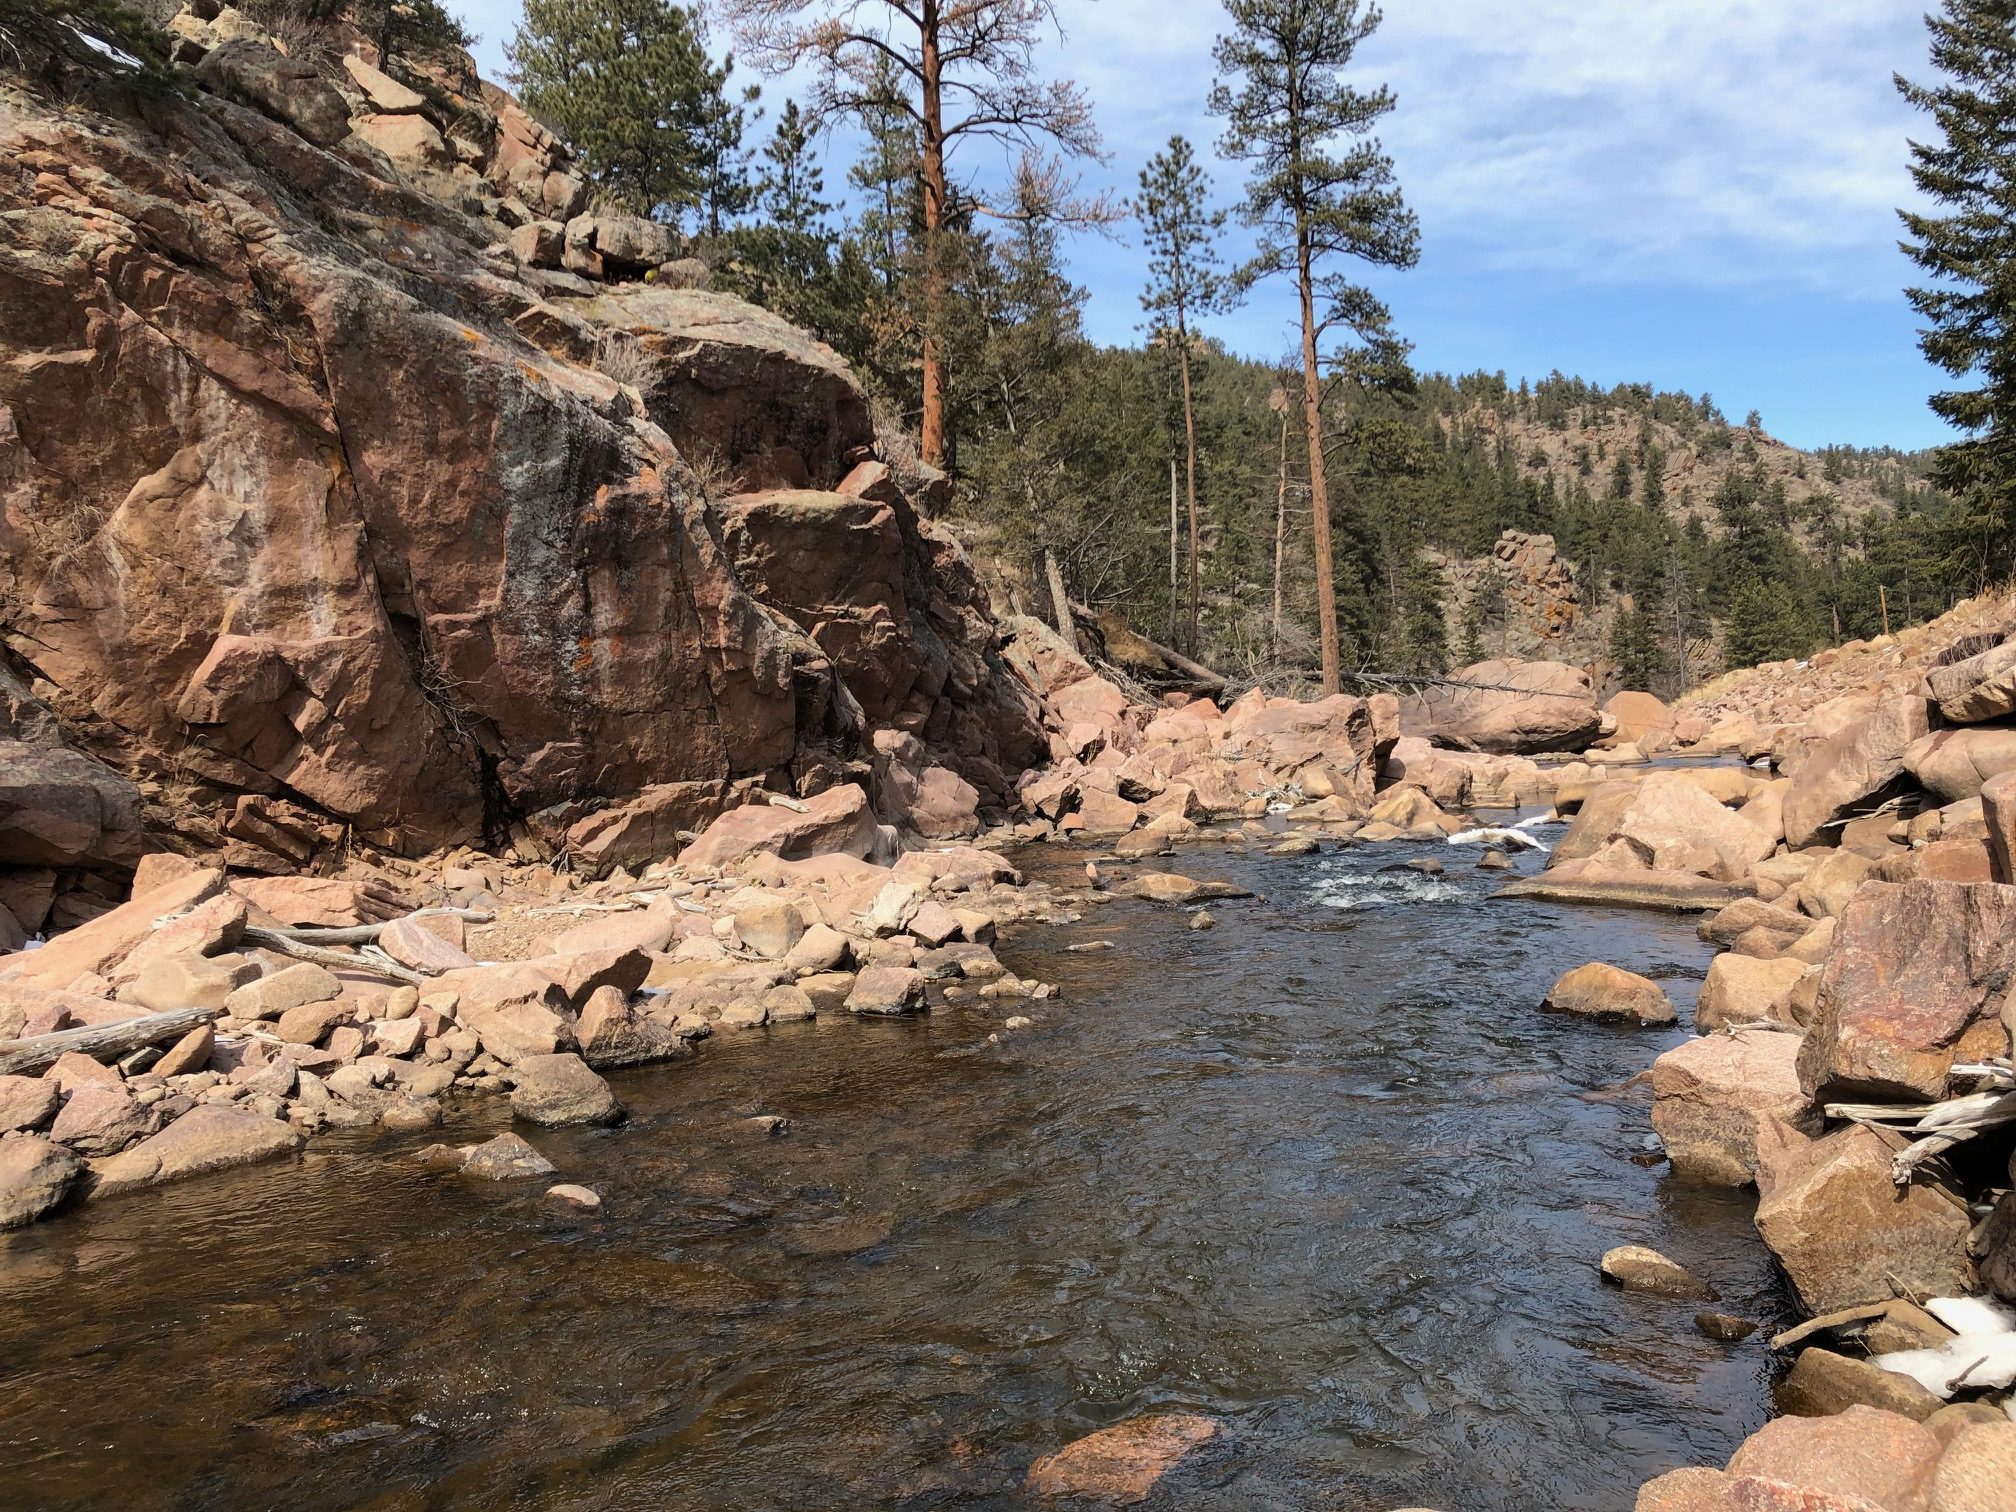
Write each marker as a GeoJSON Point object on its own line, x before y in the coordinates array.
{"type": "Point", "coordinates": [1710, 1096]}
{"type": "Point", "coordinates": [1844, 1232]}
{"type": "Point", "coordinates": [35, 1175]}
{"type": "Point", "coordinates": [500, 1159]}
{"type": "Point", "coordinates": [1610, 994]}
{"type": "Point", "coordinates": [562, 1089]}
{"type": "Point", "coordinates": [1640, 1269]}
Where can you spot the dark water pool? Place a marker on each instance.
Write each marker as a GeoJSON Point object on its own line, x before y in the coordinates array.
{"type": "Point", "coordinates": [1325, 1172]}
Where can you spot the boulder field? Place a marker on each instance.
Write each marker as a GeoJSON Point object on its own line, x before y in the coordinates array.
{"type": "Point", "coordinates": [450, 651]}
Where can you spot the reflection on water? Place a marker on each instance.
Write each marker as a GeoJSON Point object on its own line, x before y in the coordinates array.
{"type": "Point", "coordinates": [1325, 1172]}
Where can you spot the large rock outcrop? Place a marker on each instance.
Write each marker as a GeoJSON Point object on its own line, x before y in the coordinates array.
{"type": "Point", "coordinates": [309, 491]}
{"type": "Point", "coordinates": [1515, 707]}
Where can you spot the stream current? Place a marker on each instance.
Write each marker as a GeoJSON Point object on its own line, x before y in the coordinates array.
{"type": "Point", "coordinates": [1326, 1173]}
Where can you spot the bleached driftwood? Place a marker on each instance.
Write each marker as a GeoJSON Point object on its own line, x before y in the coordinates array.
{"type": "Point", "coordinates": [377, 963]}
{"type": "Point", "coordinates": [1940, 1126]}
{"type": "Point", "coordinates": [99, 1041]}
{"type": "Point", "coordinates": [364, 934]}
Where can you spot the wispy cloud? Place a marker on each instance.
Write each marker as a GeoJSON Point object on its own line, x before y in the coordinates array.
{"type": "Point", "coordinates": [1708, 141]}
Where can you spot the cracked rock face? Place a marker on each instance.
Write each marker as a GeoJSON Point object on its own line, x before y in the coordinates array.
{"type": "Point", "coordinates": [307, 492]}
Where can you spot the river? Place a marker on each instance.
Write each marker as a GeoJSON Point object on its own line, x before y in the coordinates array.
{"type": "Point", "coordinates": [1325, 1172]}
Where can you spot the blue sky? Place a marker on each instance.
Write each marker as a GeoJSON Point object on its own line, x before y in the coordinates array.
{"type": "Point", "coordinates": [1699, 194]}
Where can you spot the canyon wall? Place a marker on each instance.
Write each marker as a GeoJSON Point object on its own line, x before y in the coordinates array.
{"type": "Point", "coordinates": [357, 484]}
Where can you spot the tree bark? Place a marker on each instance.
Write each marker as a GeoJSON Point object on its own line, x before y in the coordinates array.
{"type": "Point", "coordinates": [1060, 603]}
{"type": "Point", "coordinates": [1190, 469]}
{"type": "Point", "coordinates": [931, 437]}
{"type": "Point", "coordinates": [1280, 528]}
{"type": "Point", "coordinates": [1174, 595]}
{"type": "Point", "coordinates": [19, 1057]}
{"type": "Point", "coordinates": [1319, 494]}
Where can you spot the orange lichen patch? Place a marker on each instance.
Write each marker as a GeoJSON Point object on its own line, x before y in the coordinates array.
{"type": "Point", "coordinates": [584, 657]}
{"type": "Point", "coordinates": [471, 335]}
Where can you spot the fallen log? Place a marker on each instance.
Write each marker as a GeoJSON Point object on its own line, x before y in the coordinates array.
{"type": "Point", "coordinates": [364, 934]}
{"type": "Point", "coordinates": [100, 1041]}
{"type": "Point", "coordinates": [335, 960]}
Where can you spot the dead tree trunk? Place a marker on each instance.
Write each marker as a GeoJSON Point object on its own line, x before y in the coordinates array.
{"type": "Point", "coordinates": [20, 1057]}
{"type": "Point", "coordinates": [1060, 604]}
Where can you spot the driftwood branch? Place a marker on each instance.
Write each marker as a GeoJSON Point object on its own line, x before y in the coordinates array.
{"type": "Point", "coordinates": [1939, 1126]}
{"type": "Point", "coordinates": [335, 960]}
{"type": "Point", "coordinates": [100, 1041]}
{"type": "Point", "coordinates": [364, 934]}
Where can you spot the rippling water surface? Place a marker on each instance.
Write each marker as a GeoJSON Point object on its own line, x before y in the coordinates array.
{"type": "Point", "coordinates": [1325, 1172]}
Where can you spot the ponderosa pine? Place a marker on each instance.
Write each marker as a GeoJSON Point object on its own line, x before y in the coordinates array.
{"type": "Point", "coordinates": [1321, 189]}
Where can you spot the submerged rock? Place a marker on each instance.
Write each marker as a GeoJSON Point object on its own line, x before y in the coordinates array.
{"type": "Point", "coordinates": [1639, 1269]}
{"type": "Point", "coordinates": [213, 1137]}
{"type": "Point", "coordinates": [1120, 1465]}
{"type": "Point", "coordinates": [504, 1158]}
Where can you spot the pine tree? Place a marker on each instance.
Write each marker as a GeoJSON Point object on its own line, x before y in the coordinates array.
{"type": "Point", "coordinates": [1183, 284]}
{"type": "Point", "coordinates": [788, 258]}
{"type": "Point", "coordinates": [793, 181]}
{"type": "Point", "coordinates": [887, 174]}
{"type": "Point", "coordinates": [409, 28]}
{"type": "Point", "coordinates": [628, 85]}
{"type": "Point", "coordinates": [965, 73]}
{"type": "Point", "coordinates": [1970, 255]}
{"type": "Point", "coordinates": [727, 186]}
{"type": "Point", "coordinates": [1314, 199]}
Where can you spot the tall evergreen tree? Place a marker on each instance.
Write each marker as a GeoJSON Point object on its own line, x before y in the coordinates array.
{"type": "Point", "coordinates": [1321, 188]}
{"type": "Point", "coordinates": [1970, 255]}
{"type": "Point", "coordinates": [627, 84]}
{"type": "Point", "coordinates": [962, 73]}
{"type": "Point", "coordinates": [887, 174]}
{"type": "Point", "coordinates": [1183, 284]}
{"type": "Point", "coordinates": [793, 182]}
{"type": "Point", "coordinates": [728, 187]}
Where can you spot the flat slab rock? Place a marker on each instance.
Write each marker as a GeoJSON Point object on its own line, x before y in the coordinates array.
{"type": "Point", "coordinates": [209, 1138]}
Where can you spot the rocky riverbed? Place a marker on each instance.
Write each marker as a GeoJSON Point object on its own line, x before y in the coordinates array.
{"type": "Point", "coordinates": [1325, 1175]}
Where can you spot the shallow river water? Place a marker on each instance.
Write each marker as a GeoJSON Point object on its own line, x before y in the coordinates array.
{"type": "Point", "coordinates": [1325, 1172]}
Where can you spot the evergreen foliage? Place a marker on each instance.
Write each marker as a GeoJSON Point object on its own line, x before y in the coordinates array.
{"type": "Point", "coordinates": [628, 84]}
{"type": "Point", "coordinates": [1969, 253]}
{"type": "Point", "coordinates": [1320, 189]}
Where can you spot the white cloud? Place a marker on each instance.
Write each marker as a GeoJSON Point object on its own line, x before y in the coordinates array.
{"type": "Point", "coordinates": [1705, 141]}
